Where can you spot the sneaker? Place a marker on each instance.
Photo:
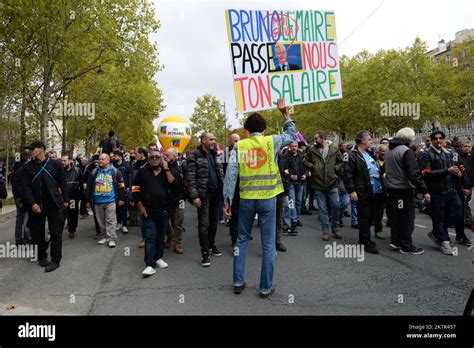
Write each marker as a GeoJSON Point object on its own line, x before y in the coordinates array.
{"type": "Point", "coordinates": [148, 271]}
{"type": "Point", "coordinates": [119, 226]}
{"type": "Point", "coordinates": [44, 263]}
{"type": "Point", "coordinates": [280, 247]}
{"type": "Point", "coordinates": [433, 238]}
{"type": "Point", "coordinates": [51, 267]}
{"type": "Point", "coordinates": [238, 289]}
{"type": "Point", "coordinates": [299, 223]}
{"type": "Point", "coordinates": [141, 244]}
{"type": "Point", "coordinates": [222, 222]}
{"type": "Point", "coordinates": [379, 235]}
{"type": "Point", "coordinates": [124, 229]}
{"type": "Point", "coordinates": [206, 261]}
{"type": "Point", "coordinates": [446, 249]}
{"type": "Point", "coordinates": [337, 234]}
{"type": "Point", "coordinates": [272, 291]}
{"type": "Point", "coordinates": [412, 250]}
{"type": "Point", "coordinates": [346, 214]}
{"type": "Point", "coordinates": [102, 241]}
{"type": "Point", "coordinates": [72, 235]}
{"type": "Point", "coordinates": [394, 247]}
{"type": "Point", "coordinates": [464, 241]}
{"type": "Point", "coordinates": [112, 244]}
{"type": "Point", "coordinates": [214, 251]}
{"type": "Point", "coordinates": [96, 236]}
{"type": "Point", "coordinates": [162, 264]}
{"type": "Point", "coordinates": [286, 231]}
{"type": "Point", "coordinates": [341, 224]}
{"type": "Point", "coordinates": [325, 237]}
{"type": "Point", "coordinates": [293, 233]}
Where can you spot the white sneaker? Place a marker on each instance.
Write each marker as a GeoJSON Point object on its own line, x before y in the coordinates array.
{"type": "Point", "coordinates": [89, 211]}
{"type": "Point", "coordinates": [124, 229]}
{"type": "Point", "coordinates": [102, 241]}
{"type": "Point", "coordinates": [112, 244]}
{"type": "Point", "coordinates": [119, 226]}
{"type": "Point", "coordinates": [446, 248]}
{"type": "Point", "coordinates": [162, 264]}
{"type": "Point", "coordinates": [148, 271]}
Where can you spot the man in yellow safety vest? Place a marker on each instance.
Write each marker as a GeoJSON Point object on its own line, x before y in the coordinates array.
{"type": "Point", "coordinates": [254, 163]}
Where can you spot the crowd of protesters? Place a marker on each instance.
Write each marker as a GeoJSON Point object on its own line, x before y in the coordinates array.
{"type": "Point", "coordinates": [270, 178]}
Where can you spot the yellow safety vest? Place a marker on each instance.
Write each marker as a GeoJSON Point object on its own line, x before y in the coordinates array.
{"type": "Point", "coordinates": [259, 174]}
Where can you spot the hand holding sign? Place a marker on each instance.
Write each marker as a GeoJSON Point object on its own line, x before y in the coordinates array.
{"type": "Point", "coordinates": [283, 109]}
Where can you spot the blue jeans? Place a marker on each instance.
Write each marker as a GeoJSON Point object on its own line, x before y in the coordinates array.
{"type": "Point", "coordinates": [321, 197]}
{"type": "Point", "coordinates": [445, 208]}
{"type": "Point", "coordinates": [266, 210]}
{"type": "Point", "coordinates": [344, 200]}
{"type": "Point", "coordinates": [293, 205]}
{"type": "Point", "coordinates": [294, 200]}
{"type": "Point", "coordinates": [354, 219]}
{"type": "Point", "coordinates": [154, 231]}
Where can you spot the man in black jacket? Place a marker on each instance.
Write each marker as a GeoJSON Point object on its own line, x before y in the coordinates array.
{"type": "Point", "coordinates": [295, 173]}
{"type": "Point", "coordinates": [465, 159]}
{"type": "Point", "coordinates": [402, 176]}
{"type": "Point", "coordinates": [205, 178]}
{"type": "Point", "coordinates": [75, 187]}
{"type": "Point", "coordinates": [176, 213]}
{"type": "Point", "coordinates": [3, 188]}
{"type": "Point", "coordinates": [443, 178]}
{"type": "Point", "coordinates": [44, 192]}
{"type": "Point", "coordinates": [152, 190]}
{"type": "Point", "coordinates": [141, 161]}
{"type": "Point", "coordinates": [364, 183]}
{"type": "Point", "coordinates": [22, 232]}
{"type": "Point", "coordinates": [87, 171]}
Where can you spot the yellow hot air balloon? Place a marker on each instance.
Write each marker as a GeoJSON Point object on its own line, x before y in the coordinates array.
{"type": "Point", "coordinates": [174, 132]}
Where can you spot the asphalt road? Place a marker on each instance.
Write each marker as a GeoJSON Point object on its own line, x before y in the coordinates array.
{"type": "Point", "coordinates": [96, 280]}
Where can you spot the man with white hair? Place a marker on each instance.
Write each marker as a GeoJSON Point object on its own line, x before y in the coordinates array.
{"type": "Point", "coordinates": [401, 178]}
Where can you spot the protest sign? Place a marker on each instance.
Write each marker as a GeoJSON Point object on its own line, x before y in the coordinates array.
{"type": "Point", "coordinates": [283, 54]}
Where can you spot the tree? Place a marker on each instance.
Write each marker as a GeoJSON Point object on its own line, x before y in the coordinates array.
{"type": "Point", "coordinates": [208, 117]}
{"type": "Point", "coordinates": [61, 45]}
{"type": "Point", "coordinates": [370, 80]}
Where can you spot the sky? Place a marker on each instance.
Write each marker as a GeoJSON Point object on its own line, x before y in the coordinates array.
{"type": "Point", "coordinates": [194, 49]}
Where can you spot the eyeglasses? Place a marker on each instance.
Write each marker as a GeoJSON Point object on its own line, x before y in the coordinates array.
{"type": "Point", "coordinates": [154, 157]}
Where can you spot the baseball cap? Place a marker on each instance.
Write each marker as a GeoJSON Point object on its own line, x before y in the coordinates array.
{"type": "Point", "coordinates": [36, 144]}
